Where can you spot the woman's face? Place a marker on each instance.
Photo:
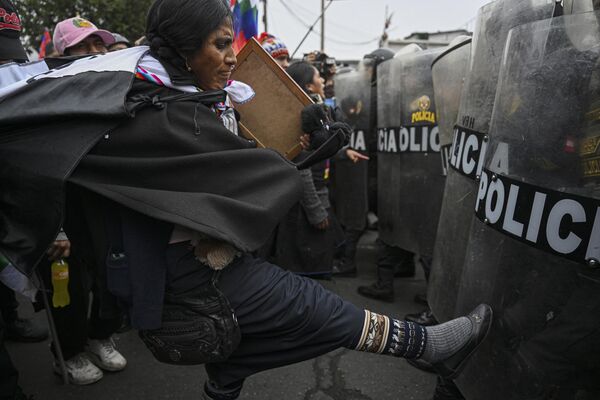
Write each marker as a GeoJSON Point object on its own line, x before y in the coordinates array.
{"type": "Point", "coordinates": [213, 63]}
{"type": "Point", "coordinates": [317, 86]}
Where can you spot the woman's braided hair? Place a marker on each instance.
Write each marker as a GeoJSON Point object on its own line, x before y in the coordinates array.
{"type": "Point", "coordinates": [176, 29]}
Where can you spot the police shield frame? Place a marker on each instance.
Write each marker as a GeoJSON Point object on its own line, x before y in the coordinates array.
{"type": "Point", "coordinates": [534, 252]}
{"type": "Point", "coordinates": [448, 71]}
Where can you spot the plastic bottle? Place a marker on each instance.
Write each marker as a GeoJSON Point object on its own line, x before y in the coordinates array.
{"type": "Point", "coordinates": [60, 283]}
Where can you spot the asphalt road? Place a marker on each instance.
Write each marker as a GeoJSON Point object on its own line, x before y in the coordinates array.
{"type": "Point", "coordinates": [340, 375]}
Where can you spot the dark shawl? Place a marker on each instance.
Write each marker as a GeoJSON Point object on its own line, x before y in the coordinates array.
{"type": "Point", "coordinates": [173, 161]}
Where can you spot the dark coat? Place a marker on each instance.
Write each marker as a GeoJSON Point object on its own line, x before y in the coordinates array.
{"type": "Point", "coordinates": [173, 161]}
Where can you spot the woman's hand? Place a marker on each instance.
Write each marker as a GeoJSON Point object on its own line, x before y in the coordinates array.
{"type": "Point", "coordinates": [59, 249]}
{"type": "Point", "coordinates": [355, 156]}
{"type": "Point", "coordinates": [305, 141]}
{"type": "Point", "coordinates": [323, 225]}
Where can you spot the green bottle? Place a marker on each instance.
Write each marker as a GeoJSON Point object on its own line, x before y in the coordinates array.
{"type": "Point", "coordinates": [60, 283]}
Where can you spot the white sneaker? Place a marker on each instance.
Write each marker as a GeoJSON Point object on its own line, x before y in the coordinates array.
{"type": "Point", "coordinates": [104, 355]}
{"type": "Point", "coordinates": [80, 369]}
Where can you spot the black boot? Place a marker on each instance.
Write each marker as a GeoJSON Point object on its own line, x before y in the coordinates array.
{"type": "Point", "coordinates": [344, 267]}
{"type": "Point", "coordinates": [406, 268]}
{"type": "Point", "coordinates": [383, 289]}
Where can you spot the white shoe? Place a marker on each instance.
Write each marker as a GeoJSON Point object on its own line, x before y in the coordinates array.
{"type": "Point", "coordinates": [104, 355]}
{"type": "Point", "coordinates": [80, 369]}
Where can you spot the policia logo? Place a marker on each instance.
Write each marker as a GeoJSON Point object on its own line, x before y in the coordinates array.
{"type": "Point", "coordinates": [423, 115]}
{"type": "Point", "coordinates": [556, 222]}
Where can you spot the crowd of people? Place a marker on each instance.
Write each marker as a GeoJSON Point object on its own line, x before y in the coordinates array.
{"type": "Point", "coordinates": [270, 270]}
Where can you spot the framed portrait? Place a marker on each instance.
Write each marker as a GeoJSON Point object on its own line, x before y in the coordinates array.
{"type": "Point", "coordinates": [272, 117]}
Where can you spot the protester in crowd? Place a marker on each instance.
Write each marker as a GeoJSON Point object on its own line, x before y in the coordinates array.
{"type": "Point", "coordinates": [121, 42]}
{"type": "Point", "coordinates": [87, 346]}
{"type": "Point", "coordinates": [193, 197]}
{"type": "Point", "coordinates": [11, 326]}
{"type": "Point", "coordinates": [276, 48]}
{"type": "Point", "coordinates": [307, 239]}
{"type": "Point", "coordinates": [327, 69]}
{"type": "Point", "coordinates": [11, 49]}
{"type": "Point", "coordinates": [77, 36]}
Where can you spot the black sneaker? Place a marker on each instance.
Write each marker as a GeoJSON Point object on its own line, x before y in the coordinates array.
{"type": "Point", "coordinates": [25, 330]}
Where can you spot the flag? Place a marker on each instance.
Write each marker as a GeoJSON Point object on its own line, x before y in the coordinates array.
{"type": "Point", "coordinates": [46, 39]}
{"type": "Point", "coordinates": [245, 21]}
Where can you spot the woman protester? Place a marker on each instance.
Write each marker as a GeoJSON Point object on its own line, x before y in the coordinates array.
{"type": "Point", "coordinates": [309, 236]}
{"type": "Point", "coordinates": [173, 194]}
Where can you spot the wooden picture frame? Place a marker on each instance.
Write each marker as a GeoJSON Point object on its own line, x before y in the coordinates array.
{"type": "Point", "coordinates": [272, 117]}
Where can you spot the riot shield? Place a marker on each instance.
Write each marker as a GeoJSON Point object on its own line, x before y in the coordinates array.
{"type": "Point", "coordinates": [470, 142]}
{"type": "Point", "coordinates": [353, 91]}
{"type": "Point", "coordinates": [534, 247]}
{"type": "Point", "coordinates": [410, 176]}
{"type": "Point", "coordinates": [448, 73]}
{"type": "Point", "coordinates": [577, 6]}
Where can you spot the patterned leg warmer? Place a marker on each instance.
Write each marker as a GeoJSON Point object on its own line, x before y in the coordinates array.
{"type": "Point", "coordinates": [384, 335]}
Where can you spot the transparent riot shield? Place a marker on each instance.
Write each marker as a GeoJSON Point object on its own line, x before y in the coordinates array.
{"type": "Point", "coordinates": [353, 91]}
{"type": "Point", "coordinates": [448, 73]}
{"type": "Point", "coordinates": [577, 6]}
{"type": "Point", "coordinates": [534, 247]}
{"type": "Point", "coordinates": [410, 176]}
{"type": "Point", "coordinates": [470, 142]}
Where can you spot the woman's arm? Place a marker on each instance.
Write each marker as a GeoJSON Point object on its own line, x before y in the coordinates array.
{"type": "Point", "coordinates": [315, 212]}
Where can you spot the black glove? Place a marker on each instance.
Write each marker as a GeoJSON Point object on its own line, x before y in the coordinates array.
{"type": "Point", "coordinates": [326, 142]}
{"type": "Point", "coordinates": [314, 117]}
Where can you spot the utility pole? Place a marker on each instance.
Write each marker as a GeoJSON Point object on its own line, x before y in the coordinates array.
{"type": "Point", "coordinates": [265, 15]}
{"type": "Point", "coordinates": [322, 26]}
{"type": "Point", "coordinates": [312, 27]}
{"type": "Point", "coordinates": [388, 21]}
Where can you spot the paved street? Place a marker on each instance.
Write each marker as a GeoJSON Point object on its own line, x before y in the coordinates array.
{"type": "Point", "coordinates": [340, 375]}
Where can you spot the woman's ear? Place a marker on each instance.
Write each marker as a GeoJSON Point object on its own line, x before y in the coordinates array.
{"type": "Point", "coordinates": [310, 87]}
